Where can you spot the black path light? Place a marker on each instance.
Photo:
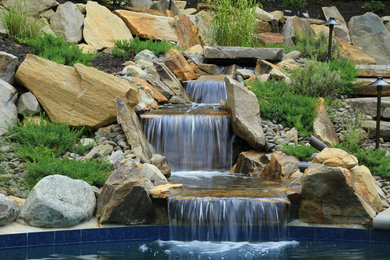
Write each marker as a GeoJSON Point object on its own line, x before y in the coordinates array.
{"type": "Point", "coordinates": [331, 23]}
{"type": "Point", "coordinates": [379, 83]}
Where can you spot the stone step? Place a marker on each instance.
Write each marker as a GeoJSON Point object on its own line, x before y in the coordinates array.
{"type": "Point", "coordinates": [368, 106]}
{"type": "Point", "coordinates": [373, 71]}
{"type": "Point", "coordinates": [228, 52]}
{"type": "Point", "coordinates": [365, 90]}
{"type": "Point", "coordinates": [370, 126]}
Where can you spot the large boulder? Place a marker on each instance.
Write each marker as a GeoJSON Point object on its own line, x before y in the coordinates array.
{"type": "Point", "coordinates": [280, 167]}
{"type": "Point", "coordinates": [149, 26]}
{"type": "Point", "coordinates": [354, 53]}
{"type": "Point", "coordinates": [228, 52]}
{"type": "Point", "coordinates": [8, 111]}
{"type": "Point", "coordinates": [180, 66]}
{"type": "Point", "coordinates": [340, 31]}
{"type": "Point", "coordinates": [244, 109]}
{"type": "Point", "coordinates": [369, 33]}
{"type": "Point", "coordinates": [58, 201]}
{"type": "Point", "coordinates": [162, 164]}
{"type": "Point", "coordinates": [202, 20]}
{"type": "Point", "coordinates": [68, 21]}
{"type": "Point", "coordinates": [31, 6]}
{"type": "Point", "coordinates": [250, 162]}
{"type": "Point", "coordinates": [323, 127]}
{"type": "Point", "coordinates": [124, 199]}
{"type": "Point", "coordinates": [335, 157]}
{"type": "Point", "coordinates": [329, 196]}
{"type": "Point", "coordinates": [9, 210]}
{"type": "Point", "coordinates": [8, 64]}
{"type": "Point", "coordinates": [78, 95]}
{"type": "Point", "coordinates": [101, 27]}
{"type": "Point", "coordinates": [186, 32]}
{"type": "Point", "coordinates": [293, 27]}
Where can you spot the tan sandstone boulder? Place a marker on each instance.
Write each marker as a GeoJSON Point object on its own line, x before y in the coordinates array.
{"type": "Point", "coordinates": [335, 157]}
{"type": "Point", "coordinates": [323, 127]}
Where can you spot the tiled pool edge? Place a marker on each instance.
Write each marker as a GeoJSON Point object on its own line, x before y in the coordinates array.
{"type": "Point", "coordinates": [149, 233]}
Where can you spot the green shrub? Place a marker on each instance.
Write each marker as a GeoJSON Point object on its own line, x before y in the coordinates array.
{"type": "Point", "coordinates": [295, 3]}
{"type": "Point", "coordinates": [19, 23]}
{"type": "Point", "coordinates": [233, 22]}
{"type": "Point", "coordinates": [315, 47]}
{"type": "Point", "coordinates": [129, 48]}
{"type": "Point", "coordinates": [278, 102]}
{"type": "Point", "coordinates": [376, 161]}
{"type": "Point", "coordinates": [302, 152]}
{"type": "Point", "coordinates": [315, 79]}
{"type": "Point", "coordinates": [348, 73]}
{"type": "Point", "coordinates": [58, 50]}
{"type": "Point", "coordinates": [374, 6]}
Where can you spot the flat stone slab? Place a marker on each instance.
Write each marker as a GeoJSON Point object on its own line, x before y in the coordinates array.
{"type": "Point", "coordinates": [382, 220]}
{"type": "Point", "coordinates": [370, 125]}
{"type": "Point", "coordinates": [368, 106]}
{"type": "Point", "coordinates": [373, 71]}
{"type": "Point", "coordinates": [221, 52]}
{"type": "Point", "coordinates": [365, 90]}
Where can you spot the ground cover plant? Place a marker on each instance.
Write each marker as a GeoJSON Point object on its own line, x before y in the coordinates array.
{"type": "Point", "coordinates": [315, 47]}
{"type": "Point", "coordinates": [129, 48]}
{"type": "Point", "coordinates": [58, 50]}
{"type": "Point", "coordinates": [302, 152]}
{"type": "Point", "coordinates": [374, 6]}
{"type": "Point", "coordinates": [42, 146]}
{"type": "Point", "coordinates": [233, 22]}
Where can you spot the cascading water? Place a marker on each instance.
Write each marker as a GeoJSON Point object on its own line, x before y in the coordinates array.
{"type": "Point", "coordinates": [206, 92]}
{"type": "Point", "coordinates": [227, 219]}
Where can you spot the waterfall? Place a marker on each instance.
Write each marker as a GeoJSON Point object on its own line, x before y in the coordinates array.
{"type": "Point", "coordinates": [227, 219]}
{"type": "Point", "coordinates": [191, 142]}
{"type": "Point", "coordinates": [206, 92]}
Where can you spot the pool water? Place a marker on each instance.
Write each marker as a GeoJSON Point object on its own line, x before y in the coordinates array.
{"type": "Point", "coordinates": [204, 250]}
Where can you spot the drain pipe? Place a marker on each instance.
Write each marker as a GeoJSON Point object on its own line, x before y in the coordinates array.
{"type": "Point", "coordinates": [317, 143]}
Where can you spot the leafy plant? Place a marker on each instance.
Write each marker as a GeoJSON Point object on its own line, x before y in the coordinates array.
{"type": "Point", "coordinates": [374, 6]}
{"type": "Point", "coordinates": [128, 48]}
{"type": "Point", "coordinates": [295, 3]}
{"type": "Point", "coordinates": [315, 79]}
{"type": "Point", "coordinates": [348, 73]}
{"type": "Point", "coordinates": [302, 152]}
{"type": "Point", "coordinates": [315, 47]}
{"type": "Point", "coordinates": [278, 102]}
{"type": "Point", "coordinates": [233, 22]}
{"type": "Point", "coordinates": [58, 50]}
{"type": "Point", "coordinates": [20, 23]}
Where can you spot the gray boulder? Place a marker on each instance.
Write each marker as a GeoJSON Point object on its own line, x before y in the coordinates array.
{"type": "Point", "coordinates": [141, 3]}
{"type": "Point", "coordinates": [116, 157]}
{"type": "Point", "coordinates": [9, 210]}
{"type": "Point", "coordinates": [162, 164]}
{"type": "Point", "coordinates": [32, 6]}
{"type": "Point", "coordinates": [370, 126]}
{"type": "Point", "coordinates": [58, 201]}
{"type": "Point", "coordinates": [341, 31]}
{"type": "Point", "coordinates": [369, 33]}
{"type": "Point", "coordinates": [152, 173]}
{"type": "Point", "coordinates": [245, 113]}
{"type": "Point", "coordinates": [145, 55]}
{"type": "Point", "coordinates": [28, 104]}
{"type": "Point", "coordinates": [8, 64]}
{"type": "Point", "coordinates": [8, 111]}
{"type": "Point", "coordinates": [228, 52]}
{"type": "Point", "coordinates": [68, 22]}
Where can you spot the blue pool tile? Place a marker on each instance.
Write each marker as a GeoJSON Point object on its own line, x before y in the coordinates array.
{"type": "Point", "coordinates": [13, 254]}
{"type": "Point", "coordinates": [66, 249]}
{"type": "Point", "coordinates": [380, 236]}
{"type": "Point", "coordinates": [64, 237]}
{"type": "Point", "coordinates": [93, 235]}
{"type": "Point", "coordinates": [145, 233]}
{"type": "Point", "coordinates": [13, 240]}
{"type": "Point", "coordinates": [40, 252]}
{"type": "Point", "coordinates": [329, 234]}
{"type": "Point", "coordinates": [362, 235]}
{"type": "Point", "coordinates": [40, 238]}
{"type": "Point", "coordinates": [301, 233]}
{"type": "Point", "coordinates": [163, 232]}
{"type": "Point", "coordinates": [119, 234]}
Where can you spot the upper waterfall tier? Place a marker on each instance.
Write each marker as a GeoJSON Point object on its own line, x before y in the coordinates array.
{"type": "Point", "coordinates": [206, 92]}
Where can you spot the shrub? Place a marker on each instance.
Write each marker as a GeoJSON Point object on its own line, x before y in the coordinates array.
{"type": "Point", "coordinates": [233, 22]}
{"type": "Point", "coordinates": [295, 3]}
{"type": "Point", "coordinates": [302, 152]}
{"type": "Point", "coordinates": [376, 161]}
{"type": "Point", "coordinates": [58, 50]}
{"type": "Point", "coordinates": [19, 23]}
{"type": "Point", "coordinates": [128, 48]}
{"type": "Point", "coordinates": [315, 79]}
{"type": "Point", "coordinates": [278, 102]}
{"type": "Point", "coordinates": [348, 73]}
{"type": "Point", "coordinates": [315, 47]}
{"type": "Point", "coordinates": [374, 6]}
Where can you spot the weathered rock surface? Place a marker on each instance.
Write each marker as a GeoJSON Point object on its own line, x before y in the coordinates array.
{"type": "Point", "coordinates": [373, 70]}
{"type": "Point", "coordinates": [250, 162]}
{"type": "Point", "coordinates": [186, 32]}
{"type": "Point", "coordinates": [141, 3]}
{"type": "Point", "coordinates": [8, 111]}
{"type": "Point", "coordinates": [32, 6]}
{"type": "Point", "coordinates": [9, 210]}
{"type": "Point", "coordinates": [58, 201]}
{"type": "Point", "coordinates": [226, 52]}
{"type": "Point", "coordinates": [329, 196]}
{"type": "Point", "coordinates": [270, 38]}
{"type": "Point", "coordinates": [245, 112]}
{"type": "Point", "coordinates": [160, 98]}
{"type": "Point", "coordinates": [179, 66]}
{"type": "Point", "coordinates": [145, 55]}
{"type": "Point", "coordinates": [149, 26]}
{"type": "Point", "coordinates": [369, 33]}
{"type": "Point", "coordinates": [68, 22]}
{"type": "Point", "coordinates": [8, 64]}
{"type": "Point", "coordinates": [162, 164]}
{"type": "Point", "coordinates": [124, 198]}
{"type": "Point", "coordinates": [370, 126]}
{"type": "Point", "coordinates": [341, 31]}
{"type": "Point", "coordinates": [132, 128]}
{"type": "Point", "coordinates": [323, 127]}
{"type": "Point", "coordinates": [152, 173]}
{"type": "Point", "coordinates": [280, 167]}
{"type": "Point", "coordinates": [164, 190]}
{"type": "Point", "coordinates": [202, 21]}
{"type": "Point", "coordinates": [101, 27]}
{"type": "Point", "coordinates": [368, 106]}
{"type": "Point", "coordinates": [163, 6]}
{"type": "Point", "coordinates": [293, 27]}
{"type": "Point", "coordinates": [334, 157]}
{"type": "Point", "coordinates": [28, 104]}
{"type": "Point", "coordinates": [354, 53]}
{"type": "Point", "coordinates": [77, 95]}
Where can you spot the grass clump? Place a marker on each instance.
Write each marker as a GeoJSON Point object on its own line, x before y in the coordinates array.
{"type": "Point", "coordinates": [233, 22]}
{"type": "Point", "coordinates": [302, 152]}
{"type": "Point", "coordinates": [315, 47]}
{"type": "Point", "coordinates": [42, 144]}
{"type": "Point", "coordinates": [374, 6]}
{"type": "Point", "coordinates": [20, 23]}
{"type": "Point", "coordinates": [129, 48]}
{"type": "Point", "coordinates": [278, 102]}
{"type": "Point", "coordinates": [58, 50]}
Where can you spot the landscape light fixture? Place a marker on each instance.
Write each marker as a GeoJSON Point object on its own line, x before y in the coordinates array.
{"type": "Point", "coordinates": [379, 83]}
{"type": "Point", "coordinates": [170, 5]}
{"type": "Point", "coordinates": [331, 23]}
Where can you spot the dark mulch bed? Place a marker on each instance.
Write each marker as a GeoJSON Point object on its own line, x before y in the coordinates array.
{"type": "Point", "coordinates": [10, 46]}
{"type": "Point", "coordinates": [108, 63]}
